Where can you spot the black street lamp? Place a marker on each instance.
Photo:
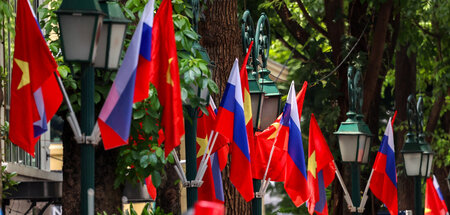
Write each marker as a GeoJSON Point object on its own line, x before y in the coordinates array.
{"type": "Point", "coordinates": [80, 24]}
{"type": "Point", "coordinates": [265, 97]}
{"type": "Point", "coordinates": [354, 135]}
{"type": "Point", "coordinates": [416, 152]}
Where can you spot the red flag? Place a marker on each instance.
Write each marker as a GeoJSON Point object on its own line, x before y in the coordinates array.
{"type": "Point", "coordinates": [434, 200]}
{"type": "Point", "coordinates": [321, 169]}
{"type": "Point", "coordinates": [263, 146]}
{"type": "Point", "coordinates": [151, 189]}
{"type": "Point", "coordinates": [211, 189]}
{"type": "Point", "coordinates": [164, 74]}
{"type": "Point", "coordinates": [35, 95]}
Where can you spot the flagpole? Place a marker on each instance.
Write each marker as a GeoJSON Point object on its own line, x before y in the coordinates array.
{"type": "Point", "coordinates": [204, 153]}
{"type": "Point", "coordinates": [72, 119]}
{"type": "Point", "coordinates": [208, 155]}
{"type": "Point", "coordinates": [262, 188]}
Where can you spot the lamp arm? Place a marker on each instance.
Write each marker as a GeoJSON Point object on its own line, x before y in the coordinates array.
{"type": "Point", "coordinates": [347, 198]}
{"type": "Point", "coordinates": [364, 197]}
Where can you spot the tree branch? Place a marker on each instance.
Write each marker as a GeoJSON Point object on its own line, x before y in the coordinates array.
{"type": "Point", "coordinates": [434, 113]}
{"type": "Point", "coordinates": [299, 33]}
{"type": "Point", "coordinates": [297, 54]}
{"type": "Point", "coordinates": [311, 20]}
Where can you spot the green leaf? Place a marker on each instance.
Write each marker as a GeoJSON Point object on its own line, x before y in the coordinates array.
{"type": "Point", "coordinates": [147, 125]}
{"type": "Point", "coordinates": [156, 178]}
{"type": "Point", "coordinates": [139, 114]}
{"type": "Point", "coordinates": [145, 161]}
{"type": "Point", "coordinates": [153, 159]}
{"type": "Point", "coordinates": [63, 71]}
{"type": "Point", "coordinates": [159, 152]}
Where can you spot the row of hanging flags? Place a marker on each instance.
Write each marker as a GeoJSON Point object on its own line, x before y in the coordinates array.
{"type": "Point", "coordinates": [275, 154]}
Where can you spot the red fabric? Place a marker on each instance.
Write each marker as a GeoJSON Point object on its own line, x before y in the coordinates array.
{"type": "Point", "coordinates": [319, 159]}
{"type": "Point", "coordinates": [240, 173]}
{"type": "Point", "coordinates": [208, 208]}
{"type": "Point", "coordinates": [382, 187]}
{"type": "Point", "coordinates": [263, 145]}
{"type": "Point", "coordinates": [150, 188]}
{"type": "Point", "coordinates": [433, 204]}
{"type": "Point", "coordinates": [33, 69]}
{"type": "Point", "coordinates": [142, 74]}
{"type": "Point", "coordinates": [204, 127]}
{"type": "Point", "coordinates": [298, 196]}
{"type": "Point", "coordinates": [164, 74]}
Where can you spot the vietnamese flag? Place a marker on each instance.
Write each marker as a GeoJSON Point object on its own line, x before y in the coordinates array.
{"type": "Point", "coordinates": [164, 75]}
{"type": "Point", "coordinates": [321, 169]}
{"type": "Point", "coordinates": [35, 94]}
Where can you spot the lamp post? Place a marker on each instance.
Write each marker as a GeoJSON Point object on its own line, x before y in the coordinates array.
{"type": "Point", "coordinates": [80, 24]}
{"type": "Point", "coordinates": [416, 152]}
{"type": "Point", "coordinates": [354, 135]}
{"type": "Point", "coordinates": [263, 91]}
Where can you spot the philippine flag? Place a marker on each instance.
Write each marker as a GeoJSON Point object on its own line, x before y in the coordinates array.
{"type": "Point", "coordinates": [384, 177]}
{"type": "Point", "coordinates": [231, 124]}
{"type": "Point", "coordinates": [434, 200]}
{"type": "Point", "coordinates": [115, 117]}
{"type": "Point", "coordinates": [289, 138]}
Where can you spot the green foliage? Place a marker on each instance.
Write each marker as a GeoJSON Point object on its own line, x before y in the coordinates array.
{"type": "Point", "coordinates": [8, 182]}
{"type": "Point", "coordinates": [143, 156]}
{"type": "Point", "coordinates": [145, 211]}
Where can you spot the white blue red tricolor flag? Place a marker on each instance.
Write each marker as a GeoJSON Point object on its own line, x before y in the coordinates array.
{"type": "Point", "coordinates": [434, 200]}
{"type": "Point", "coordinates": [131, 84]}
{"type": "Point", "coordinates": [231, 124]}
{"type": "Point", "coordinates": [289, 138]}
{"type": "Point", "coordinates": [384, 177]}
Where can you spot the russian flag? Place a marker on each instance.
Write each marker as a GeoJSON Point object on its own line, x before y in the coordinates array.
{"type": "Point", "coordinates": [289, 138]}
{"type": "Point", "coordinates": [231, 123]}
{"type": "Point", "coordinates": [434, 200]}
{"type": "Point", "coordinates": [384, 177]}
{"type": "Point", "coordinates": [130, 86]}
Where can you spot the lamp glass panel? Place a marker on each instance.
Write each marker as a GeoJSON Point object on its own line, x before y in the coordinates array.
{"type": "Point", "coordinates": [427, 161]}
{"type": "Point", "coordinates": [347, 145]}
{"type": "Point", "coordinates": [412, 163]}
{"type": "Point", "coordinates": [365, 157]}
{"type": "Point", "coordinates": [100, 59]}
{"type": "Point", "coordinates": [77, 32]}
{"type": "Point", "coordinates": [361, 147]}
{"type": "Point", "coordinates": [115, 47]}
{"type": "Point", "coordinates": [256, 98]}
{"type": "Point", "coordinates": [269, 111]}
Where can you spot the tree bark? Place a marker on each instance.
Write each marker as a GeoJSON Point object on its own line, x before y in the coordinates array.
{"type": "Point", "coordinates": [168, 193]}
{"type": "Point", "coordinates": [107, 198]}
{"type": "Point", "coordinates": [300, 34]}
{"type": "Point", "coordinates": [376, 55]}
{"type": "Point", "coordinates": [405, 82]}
{"type": "Point", "coordinates": [71, 173]}
{"type": "Point", "coordinates": [221, 38]}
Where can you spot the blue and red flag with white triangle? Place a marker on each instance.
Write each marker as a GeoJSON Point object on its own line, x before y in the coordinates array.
{"type": "Point", "coordinates": [231, 124]}
{"type": "Point", "coordinates": [384, 177]}
{"type": "Point", "coordinates": [129, 86]}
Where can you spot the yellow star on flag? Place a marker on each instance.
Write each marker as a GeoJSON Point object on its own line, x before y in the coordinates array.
{"type": "Point", "coordinates": [23, 65]}
{"type": "Point", "coordinates": [247, 106]}
{"type": "Point", "coordinates": [202, 142]}
{"type": "Point", "coordinates": [312, 164]}
{"type": "Point", "coordinates": [168, 76]}
{"type": "Point", "coordinates": [274, 134]}
{"type": "Point", "coordinates": [427, 210]}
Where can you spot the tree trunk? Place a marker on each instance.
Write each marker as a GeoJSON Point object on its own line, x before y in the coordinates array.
{"type": "Point", "coordinates": [221, 38]}
{"type": "Point", "coordinates": [71, 173]}
{"type": "Point", "coordinates": [168, 193]}
{"type": "Point", "coordinates": [405, 82]}
{"type": "Point", "coordinates": [107, 198]}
